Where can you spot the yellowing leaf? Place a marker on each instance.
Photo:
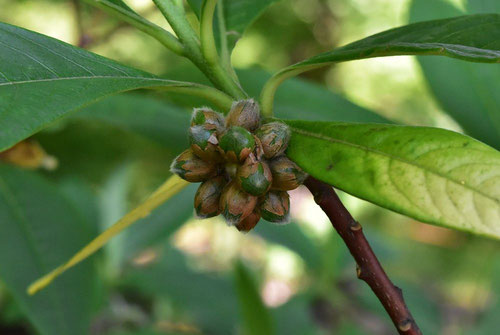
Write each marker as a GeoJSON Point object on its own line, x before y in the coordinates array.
{"type": "Point", "coordinates": [433, 175]}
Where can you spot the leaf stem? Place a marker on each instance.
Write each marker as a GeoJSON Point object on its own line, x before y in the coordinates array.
{"type": "Point", "coordinates": [171, 187]}
{"type": "Point", "coordinates": [214, 72]}
{"type": "Point", "coordinates": [270, 88]}
{"type": "Point", "coordinates": [368, 266]}
{"type": "Point", "coordinates": [224, 49]}
{"type": "Point", "coordinates": [208, 47]}
{"type": "Point", "coordinates": [134, 19]}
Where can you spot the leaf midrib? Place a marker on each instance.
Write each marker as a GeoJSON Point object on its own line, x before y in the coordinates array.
{"type": "Point", "coordinates": [368, 149]}
{"type": "Point", "coordinates": [171, 82]}
{"type": "Point", "coordinates": [421, 49]}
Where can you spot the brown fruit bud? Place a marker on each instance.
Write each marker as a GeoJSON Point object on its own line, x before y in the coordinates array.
{"type": "Point", "coordinates": [244, 113]}
{"type": "Point", "coordinates": [275, 207]}
{"type": "Point", "coordinates": [207, 118]}
{"type": "Point", "coordinates": [236, 144]}
{"type": "Point", "coordinates": [204, 143]}
{"type": "Point", "coordinates": [274, 138]}
{"type": "Point", "coordinates": [235, 204]}
{"type": "Point", "coordinates": [207, 198]}
{"type": "Point", "coordinates": [286, 174]}
{"type": "Point", "coordinates": [249, 222]}
{"type": "Point", "coordinates": [254, 176]}
{"type": "Point", "coordinates": [191, 168]}
{"type": "Point", "coordinates": [258, 151]}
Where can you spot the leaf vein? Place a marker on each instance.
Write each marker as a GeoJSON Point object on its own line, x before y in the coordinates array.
{"type": "Point", "coordinates": [384, 154]}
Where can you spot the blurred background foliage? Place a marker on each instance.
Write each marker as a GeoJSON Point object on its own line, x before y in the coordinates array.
{"type": "Point", "coordinates": [172, 274]}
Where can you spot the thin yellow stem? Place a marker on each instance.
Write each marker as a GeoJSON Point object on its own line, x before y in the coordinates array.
{"type": "Point", "coordinates": [171, 187]}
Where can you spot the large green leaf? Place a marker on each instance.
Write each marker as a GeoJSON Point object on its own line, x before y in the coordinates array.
{"type": "Point", "coordinates": [255, 316]}
{"type": "Point", "coordinates": [297, 98]}
{"type": "Point", "coordinates": [467, 92]}
{"type": "Point", "coordinates": [40, 229]}
{"type": "Point", "coordinates": [42, 79]}
{"type": "Point", "coordinates": [430, 174]}
{"type": "Point", "coordinates": [473, 37]}
{"type": "Point", "coordinates": [160, 121]}
{"type": "Point", "coordinates": [300, 99]}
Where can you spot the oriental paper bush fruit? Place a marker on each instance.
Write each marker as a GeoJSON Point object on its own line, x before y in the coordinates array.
{"type": "Point", "coordinates": [242, 165]}
{"type": "Point", "coordinates": [429, 174]}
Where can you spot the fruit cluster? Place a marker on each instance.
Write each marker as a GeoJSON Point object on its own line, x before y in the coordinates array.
{"type": "Point", "coordinates": [241, 164]}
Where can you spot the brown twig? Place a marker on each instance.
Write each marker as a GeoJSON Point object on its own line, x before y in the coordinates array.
{"type": "Point", "coordinates": [368, 266]}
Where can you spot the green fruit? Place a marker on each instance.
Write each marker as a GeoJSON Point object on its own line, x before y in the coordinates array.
{"type": "Point", "coordinates": [208, 118]}
{"type": "Point", "coordinates": [244, 113]}
{"type": "Point", "coordinates": [207, 198]}
{"type": "Point", "coordinates": [236, 144]}
{"type": "Point", "coordinates": [275, 207]}
{"type": "Point", "coordinates": [191, 168]}
{"type": "Point", "coordinates": [254, 177]}
{"type": "Point", "coordinates": [274, 138]}
{"type": "Point", "coordinates": [235, 204]}
{"type": "Point", "coordinates": [286, 174]}
{"type": "Point", "coordinates": [249, 222]}
{"type": "Point", "coordinates": [204, 143]}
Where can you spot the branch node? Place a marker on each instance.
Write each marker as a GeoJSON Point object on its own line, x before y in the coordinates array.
{"type": "Point", "coordinates": [405, 325]}
{"type": "Point", "coordinates": [355, 226]}
{"type": "Point", "coordinates": [358, 271]}
{"type": "Point", "coordinates": [368, 268]}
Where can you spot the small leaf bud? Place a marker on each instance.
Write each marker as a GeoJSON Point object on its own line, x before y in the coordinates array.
{"type": "Point", "coordinates": [236, 144]}
{"type": "Point", "coordinates": [244, 113]}
{"type": "Point", "coordinates": [207, 198]}
{"type": "Point", "coordinates": [254, 176]}
{"type": "Point", "coordinates": [235, 204]}
{"type": "Point", "coordinates": [286, 174]}
{"type": "Point", "coordinates": [208, 118]}
{"type": "Point", "coordinates": [275, 207]}
{"type": "Point", "coordinates": [191, 168]}
{"type": "Point", "coordinates": [274, 137]}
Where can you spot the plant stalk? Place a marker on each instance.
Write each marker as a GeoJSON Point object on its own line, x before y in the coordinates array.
{"type": "Point", "coordinates": [214, 71]}
{"type": "Point", "coordinates": [208, 47]}
{"type": "Point", "coordinates": [368, 267]}
{"type": "Point", "coordinates": [163, 36]}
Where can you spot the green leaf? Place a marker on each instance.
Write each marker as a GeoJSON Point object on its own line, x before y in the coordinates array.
{"type": "Point", "coordinates": [467, 92]}
{"type": "Point", "coordinates": [301, 99]}
{"type": "Point", "coordinates": [474, 38]}
{"type": "Point", "coordinates": [161, 224]}
{"type": "Point", "coordinates": [430, 174]}
{"type": "Point", "coordinates": [40, 229]}
{"type": "Point", "coordinates": [255, 316]}
{"type": "Point", "coordinates": [83, 199]}
{"type": "Point", "coordinates": [160, 121]}
{"type": "Point", "coordinates": [43, 79]}
{"type": "Point", "coordinates": [238, 15]}
{"type": "Point", "coordinates": [297, 99]}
